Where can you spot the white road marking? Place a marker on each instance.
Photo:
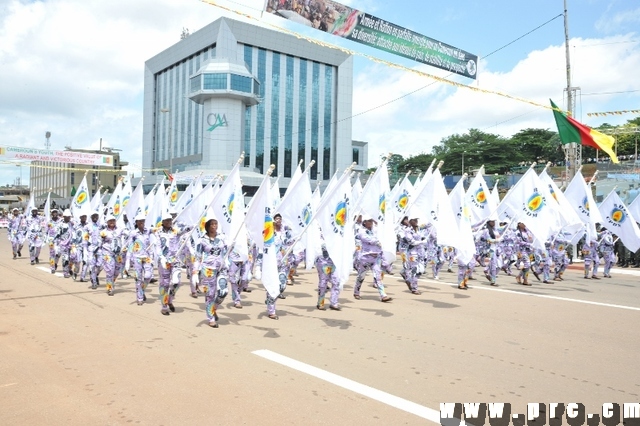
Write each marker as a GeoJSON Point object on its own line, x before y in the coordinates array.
{"type": "Point", "coordinates": [48, 271]}
{"type": "Point", "coordinates": [542, 296]}
{"type": "Point", "coordinates": [378, 395]}
{"type": "Point", "coordinates": [7, 385]}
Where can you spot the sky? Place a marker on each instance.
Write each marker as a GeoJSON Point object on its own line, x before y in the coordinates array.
{"type": "Point", "coordinates": [75, 68]}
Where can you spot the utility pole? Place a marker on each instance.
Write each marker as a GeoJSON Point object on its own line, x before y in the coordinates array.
{"type": "Point", "coordinates": [573, 146]}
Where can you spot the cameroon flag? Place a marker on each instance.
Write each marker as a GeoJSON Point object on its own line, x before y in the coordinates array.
{"type": "Point", "coordinates": [572, 131]}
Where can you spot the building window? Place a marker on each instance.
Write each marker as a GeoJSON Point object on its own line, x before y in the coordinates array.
{"type": "Point", "coordinates": [215, 81]}
{"type": "Point", "coordinates": [288, 119]}
{"type": "Point", "coordinates": [196, 83]}
{"type": "Point", "coordinates": [262, 76]}
{"type": "Point", "coordinates": [240, 83]}
{"type": "Point", "coordinates": [302, 108]}
{"type": "Point", "coordinates": [275, 111]}
{"type": "Point", "coordinates": [73, 178]}
{"type": "Point", "coordinates": [93, 179]}
{"type": "Point", "coordinates": [356, 155]}
{"type": "Point", "coordinates": [328, 108]}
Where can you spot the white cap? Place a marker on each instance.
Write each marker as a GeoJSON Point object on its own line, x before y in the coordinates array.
{"type": "Point", "coordinates": [140, 216]}
{"type": "Point", "coordinates": [95, 212]}
{"type": "Point", "coordinates": [53, 210]}
{"type": "Point", "coordinates": [67, 212]}
{"type": "Point", "coordinates": [15, 209]}
{"type": "Point", "coordinates": [166, 215]}
{"type": "Point", "coordinates": [34, 208]}
{"type": "Point", "coordinates": [110, 217]}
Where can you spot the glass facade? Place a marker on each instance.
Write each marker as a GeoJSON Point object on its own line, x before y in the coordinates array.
{"type": "Point", "coordinates": [275, 111]}
{"type": "Point", "coordinates": [262, 75]}
{"type": "Point", "coordinates": [240, 83]}
{"type": "Point", "coordinates": [248, 60]}
{"type": "Point", "coordinates": [294, 120]}
{"type": "Point", "coordinates": [288, 120]}
{"type": "Point", "coordinates": [315, 119]}
{"type": "Point", "coordinates": [302, 111]}
{"type": "Point", "coordinates": [215, 81]}
{"type": "Point", "coordinates": [184, 116]}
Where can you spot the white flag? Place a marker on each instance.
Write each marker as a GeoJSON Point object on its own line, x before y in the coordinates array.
{"type": "Point", "coordinates": [114, 206]}
{"type": "Point", "coordinates": [616, 218]}
{"type": "Point", "coordinates": [356, 189]}
{"type": "Point", "coordinates": [467, 247]}
{"type": "Point", "coordinates": [260, 227]}
{"type": "Point", "coordinates": [570, 222]}
{"type": "Point", "coordinates": [432, 205]}
{"type": "Point", "coordinates": [335, 218]}
{"type": "Point", "coordinates": [294, 179]}
{"type": "Point", "coordinates": [581, 199]}
{"type": "Point", "coordinates": [187, 196]}
{"type": "Point", "coordinates": [313, 235]}
{"type": "Point", "coordinates": [32, 202]}
{"type": "Point", "coordinates": [96, 203]}
{"type": "Point", "coordinates": [157, 209]}
{"type": "Point", "coordinates": [81, 203]}
{"type": "Point", "coordinates": [135, 204]}
{"type": "Point", "coordinates": [529, 202]}
{"type": "Point", "coordinates": [295, 206]}
{"type": "Point", "coordinates": [634, 209]}
{"type": "Point", "coordinates": [478, 198]}
{"type": "Point", "coordinates": [148, 200]}
{"type": "Point", "coordinates": [495, 193]}
{"type": "Point", "coordinates": [400, 198]}
{"type": "Point", "coordinates": [374, 203]}
{"type": "Point", "coordinates": [227, 206]}
{"type": "Point", "coordinates": [195, 211]}
{"type": "Point", "coordinates": [47, 208]}
{"type": "Point", "coordinates": [275, 193]}
{"type": "Point", "coordinates": [173, 194]}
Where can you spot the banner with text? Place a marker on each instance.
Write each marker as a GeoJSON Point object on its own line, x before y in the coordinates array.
{"type": "Point", "coordinates": [352, 24]}
{"type": "Point", "coordinates": [71, 157]}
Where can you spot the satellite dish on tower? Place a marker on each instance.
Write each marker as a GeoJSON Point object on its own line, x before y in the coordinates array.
{"type": "Point", "coordinates": [47, 144]}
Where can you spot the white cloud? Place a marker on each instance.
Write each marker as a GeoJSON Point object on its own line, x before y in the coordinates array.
{"type": "Point", "coordinates": [619, 22]}
{"type": "Point", "coordinates": [75, 68]}
{"type": "Point", "coordinates": [417, 122]}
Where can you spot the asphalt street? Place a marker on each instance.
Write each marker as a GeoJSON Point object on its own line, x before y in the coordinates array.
{"type": "Point", "coordinates": [75, 356]}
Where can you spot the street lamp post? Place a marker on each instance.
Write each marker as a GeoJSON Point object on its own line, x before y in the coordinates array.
{"type": "Point", "coordinates": [463, 152]}
{"type": "Point", "coordinates": [165, 110]}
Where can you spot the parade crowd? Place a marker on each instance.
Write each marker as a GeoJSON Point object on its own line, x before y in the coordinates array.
{"type": "Point", "coordinates": [87, 244]}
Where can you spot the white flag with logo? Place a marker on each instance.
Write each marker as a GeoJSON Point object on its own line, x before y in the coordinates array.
{"type": "Point", "coordinates": [373, 203]}
{"type": "Point", "coordinates": [400, 199]}
{"type": "Point", "coordinates": [227, 206]}
{"type": "Point", "coordinates": [173, 194]}
{"type": "Point", "coordinates": [478, 198]}
{"type": "Point", "coordinates": [616, 218]}
{"type": "Point", "coordinates": [335, 218]}
{"type": "Point", "coordinates": [114, 206]}
{"type": "Point", "coordinates": [295, 206]}
{"type": "Point", "coordinates": [261, 230]}
{"type": "Point", "coordinates": [581, 200]}
{"type": "Point", "coordinates": [529, 202]}
{"type": "Point", "coordinates": [81, 203]}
